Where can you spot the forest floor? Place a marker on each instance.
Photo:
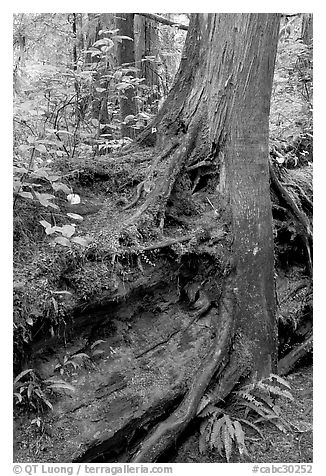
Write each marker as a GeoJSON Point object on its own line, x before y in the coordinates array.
{"type": "Point", "coordinates": [139, 303]}
{"type": "Point", "coordinates": [276, 447]}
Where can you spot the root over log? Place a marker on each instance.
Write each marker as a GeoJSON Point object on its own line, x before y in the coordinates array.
{"type": "Point", "coordinates": [166, 432]}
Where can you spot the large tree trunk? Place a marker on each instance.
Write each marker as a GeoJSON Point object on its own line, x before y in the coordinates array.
{"type": "Point", "coordinates": [218, 111]}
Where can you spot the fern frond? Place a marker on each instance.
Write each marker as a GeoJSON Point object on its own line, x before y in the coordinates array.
{"type": "Point", "coordinates": [276, 421]}
{"type": "Point", "coordinates": [250, 398]}
{"type": "Point", "coordinates": [204, 402]}
{"type": "Point", "coordinates": [275, 390]}
{"type": "Point", "coordinates": [229, 425]}
{"type": "Point", "coordinates": [252, 425]}
{"type": "Point", "coordinates": [202, 442]}
{"type": "Point", "coordinates": [240, 438]}
{"type": "Point", "coordinates": [210, 410]}
{"type": "Point", "coordinates": [261, 410]}
{"type": "Point", "coordinates": [227, 440]}
{"type": "Point", "coordinates": [215, 433]}
{"type": "Point", "coordinates": [279, 380]}
{"type": "Point", "coordinates": [203, 428]}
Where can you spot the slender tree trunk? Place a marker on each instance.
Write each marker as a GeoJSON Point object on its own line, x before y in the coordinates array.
{"type": "Point", "coordinates": [146, 54]}
{"type": "Point", "coordinates": [307, 28]}
{"type": "Point", "coordinates": [126, 58]}
{"type": "Point", "coordinates": [97, 25]}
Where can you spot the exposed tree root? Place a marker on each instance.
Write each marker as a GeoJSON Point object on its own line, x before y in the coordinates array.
{"type": "Point", "coordinates": [165, 244]}
{"type": "Point", "coordinates": [284, 194]}
{"type": "Point", "coordinates": [166, 432]}
{"type": "Point", "coordinates": [305, 229]}
{"type": "Point", "coordinates": [287, 363]}
{"type": "Point", "coordinates": [164, 180]}
{"type": "Point", "coordinates": [139, 190]}
{"type": "Point", "coordinates": [155, 162]}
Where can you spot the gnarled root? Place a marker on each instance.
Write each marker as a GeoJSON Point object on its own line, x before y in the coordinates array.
{"type": "Point", "coordinates": [164, 179]}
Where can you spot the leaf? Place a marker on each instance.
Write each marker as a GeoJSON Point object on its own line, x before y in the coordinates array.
{"type": "Point", "coordinates": [29, 390]}
{"type": "Point", "coordinates": [105, 49]}
{"type": "Point", "coordinates": [24, 147]}
{"type": "Point", "coordinates": [68, 230]}
{"type": "Point", "coordinates": [75, 216]}
{"type": "Point", "coordinates": [61, 292]}
{"type": "Point", "coordinates": [46, 401]}
{"type": "Point", "coordinates": [97, 352]}
{"type": "Point", "coordinates": [64, 132]}
{"type": "Point", "coordinates": [73, 198]}
{"type": "Point", "coordinates": [81, 355]}
{"type": "Point", "coordinates": [61, 386]}
{"type": "Point", "coordinates": [129, 118]}
{"type": "Point", "coordinates": [45, 224]}
{"type": "Point", "coordinates": [50, 231]}
{"type": "Point", "coordinates": [18, 396]}
{"type": "Point", "coordinates": [122, 37]}
{"type": "Point", "coordinates": [29, 321]}
{"type": "Point", "coordinates": [100, 341]}
{"type": "Point", "coordinates": [55, 305]}
{"type": "Point", "coordinates": [81, 241]}
{"type": "Point", "coordinates": [21, 375]}
{"type": "Point", "coordinates": [104, 42]}
{"type": "Point", "coordinates": [61, 186]}
{"type": "Point", "coordinates": [41, 148]}
{"type": "Point", "coordinates": [26, 195]}
{"type": "Point", "coordinates": [61, 240]}
{"type": "Point", "coordinates": [44, 198]}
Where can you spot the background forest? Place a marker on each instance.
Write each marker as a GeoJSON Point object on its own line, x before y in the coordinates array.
{"type": "Point", "coordinates": [87, 86]}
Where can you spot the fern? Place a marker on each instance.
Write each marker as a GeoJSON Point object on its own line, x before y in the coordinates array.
{"type": "Point", "coordinates": [222, 432]}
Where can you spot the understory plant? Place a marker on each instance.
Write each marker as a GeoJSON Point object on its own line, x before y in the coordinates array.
{"type": "Point", "coordinates": [251, 407]}
{"type": "Point", "coordinates": [33, 393]}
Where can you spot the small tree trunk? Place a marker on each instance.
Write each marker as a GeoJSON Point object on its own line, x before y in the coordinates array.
{"type": "Point", "coordinates": [146, 53]}
{"type": "Point", "coordinates": [126, 57]}
{"type": "Point", "coordinates": [307, 28]}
